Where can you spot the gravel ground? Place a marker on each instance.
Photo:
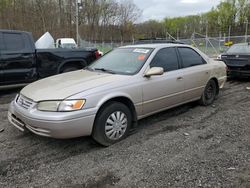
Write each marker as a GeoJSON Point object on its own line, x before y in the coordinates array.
{"type": "Point", "coordinates": [189, 146]}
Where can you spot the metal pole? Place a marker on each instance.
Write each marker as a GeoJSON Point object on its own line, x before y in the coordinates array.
{"type": "Point", "coordinates": [246, 34]}
{"type": "Point", "coordinates": [229, 33]}
{"type": "Point", "coordinates": [206, 38]}
{"type": "Point", "coordinates": [77, 23]}
{"type": "Point", "coordinates": [220, 41]}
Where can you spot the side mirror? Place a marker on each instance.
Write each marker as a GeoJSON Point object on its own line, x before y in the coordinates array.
{"type": "Point", "coordinates": [154, 71]}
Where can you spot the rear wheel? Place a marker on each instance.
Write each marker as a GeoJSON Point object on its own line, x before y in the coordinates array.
{"type": "Point", "coordinates": [112, 124]}
{"type": "Point", "coordinates": [209, 94]}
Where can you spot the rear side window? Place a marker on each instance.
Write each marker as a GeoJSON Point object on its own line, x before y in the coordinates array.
{"type": "Point", "coordinates": [13, 41]}
{"type": "Point", "coordinates": [190, 57]}
{"type": "Point", "coordinates": [167, 59]}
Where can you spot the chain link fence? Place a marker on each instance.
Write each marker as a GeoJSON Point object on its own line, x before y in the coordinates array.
{"type": "Point", "coordinates": [212, 46]}
{"type": "Point", "coordinates": [103, 46]}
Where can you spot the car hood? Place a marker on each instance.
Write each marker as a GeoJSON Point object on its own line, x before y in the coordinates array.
{"type": "Point", "coordinates": [65, 85]}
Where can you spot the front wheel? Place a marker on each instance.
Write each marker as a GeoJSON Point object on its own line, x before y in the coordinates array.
{"type": "Point", "coordinates": [209, 93]}
{"type": "Point", "coordinates": [112, 124]}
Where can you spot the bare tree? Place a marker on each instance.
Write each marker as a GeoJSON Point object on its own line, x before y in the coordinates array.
{"type": "Point", "coordinates": [128, 13]}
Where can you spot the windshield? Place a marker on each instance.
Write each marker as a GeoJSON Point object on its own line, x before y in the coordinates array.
{"type": "Point", "coordinates": [239, 49]}
{"type": "Point", "coordinates": [126, 61]}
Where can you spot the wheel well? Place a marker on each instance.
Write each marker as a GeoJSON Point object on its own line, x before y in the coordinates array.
{"type": "Point", "coordinates": [125, 101]}
{"type": "Point", "coordinates": [217, 85]}
{"type": "Point", "coordinates": [77, 64]}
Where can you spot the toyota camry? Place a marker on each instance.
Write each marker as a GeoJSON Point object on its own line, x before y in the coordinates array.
{"type": "Point", "coordinates": [107, 98]}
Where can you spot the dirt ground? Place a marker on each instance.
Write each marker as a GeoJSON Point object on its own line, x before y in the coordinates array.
{"type": "Point", "coordinates": [189, 146]}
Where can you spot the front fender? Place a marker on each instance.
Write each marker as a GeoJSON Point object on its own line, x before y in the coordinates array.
{"type": "Point", "coordinates": [111, 96]}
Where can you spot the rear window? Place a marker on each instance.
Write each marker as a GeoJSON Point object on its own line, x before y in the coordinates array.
{"type": "Point", "coordinates": [13, 41]}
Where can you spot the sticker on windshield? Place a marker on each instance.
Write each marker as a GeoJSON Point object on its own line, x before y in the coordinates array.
{"type": "Point", "coordinates": [143, 51]}
{"type": "Point", "coordinates": [141, 57]}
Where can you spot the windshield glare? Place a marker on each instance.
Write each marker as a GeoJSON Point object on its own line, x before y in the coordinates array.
{"type": "Point", "coordinates": [126, 61]}
{"type": "Point", "coordinates": [239, 49]}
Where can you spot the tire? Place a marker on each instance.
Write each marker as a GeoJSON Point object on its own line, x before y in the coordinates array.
{"type": "Point", "coordinates": [209, 94]}
{"type": "Point", "coordinates": [69, 69]}
{"type": "Point", "coordinates": [112, 124]}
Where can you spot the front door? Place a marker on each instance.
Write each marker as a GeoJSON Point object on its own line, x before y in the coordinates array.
{"type": "Point", "coordinates": [164, 91]}
{"type": "Point", "coordinates": [17, 59]}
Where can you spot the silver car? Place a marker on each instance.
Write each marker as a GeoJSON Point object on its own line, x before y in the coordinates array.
{"type": "Point", "coordinates": [107, 98]}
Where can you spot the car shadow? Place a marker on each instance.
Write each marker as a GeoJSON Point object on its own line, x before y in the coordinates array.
{"type": "Point", "coordinates": [6, 96]}
{"type": "Point", "coordinates": [238, 79]}
{"type": "Point", "coordinates": [72, 146]}
{"type": "Point", "coordinates": [164, 115]}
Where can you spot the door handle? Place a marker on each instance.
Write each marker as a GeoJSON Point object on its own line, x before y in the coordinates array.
{"type": "Point", "coordinates": [180, 78]}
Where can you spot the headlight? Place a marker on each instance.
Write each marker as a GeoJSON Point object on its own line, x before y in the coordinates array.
{"type": "Point", "coordinates": [51, 106]}
{"type": "Point", "coordinates": [61, 106]}
{"type": "Point", "coordinates": [71, 105]}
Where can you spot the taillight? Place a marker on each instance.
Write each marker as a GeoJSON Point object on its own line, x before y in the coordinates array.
{"type": "Point", "coordinates": [97, 54]}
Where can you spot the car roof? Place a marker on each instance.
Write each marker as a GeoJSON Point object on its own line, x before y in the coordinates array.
{"type": "Point", "coordinates": [14, 31]}
{"type": "Point", "coordinates": [166, 45]}
{"type": "Point", "coordinates": [155, 45]}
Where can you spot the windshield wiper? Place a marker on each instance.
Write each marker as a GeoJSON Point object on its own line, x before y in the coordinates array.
{"type": "Point", "coordinates": [104, 70]}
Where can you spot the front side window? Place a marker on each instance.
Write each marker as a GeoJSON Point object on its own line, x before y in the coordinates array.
{"type": "Point", "coordinates": [190, 57]}
{"type": "Point", "coordinates": [13, 41]}
{"type": "Point", "coordinates": [126, 61]}
{"type": "Point", "coordinates": [167, 59]}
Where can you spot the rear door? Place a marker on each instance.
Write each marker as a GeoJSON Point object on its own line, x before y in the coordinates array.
{"type": "Point", "coordinates": [1, 63]}
{"type": "Point", "coordinates": [18, 58]}
{"type": "Point", "coordinates": [164, 91]}
{"type": "Point", "coordinates": [196, 72]}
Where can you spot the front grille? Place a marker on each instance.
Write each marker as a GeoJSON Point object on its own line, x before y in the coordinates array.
{"type": "Point", "coordinates": [24, 102]}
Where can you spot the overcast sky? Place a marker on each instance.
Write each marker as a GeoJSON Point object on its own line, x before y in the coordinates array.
{"type": "Point", "coordinates": [159, 9]}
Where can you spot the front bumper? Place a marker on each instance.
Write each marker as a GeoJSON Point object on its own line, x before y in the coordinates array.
{"type": "Point", "coordinates": [238, 73]}
{"type": "Point", "coordinates": [52, 124]}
